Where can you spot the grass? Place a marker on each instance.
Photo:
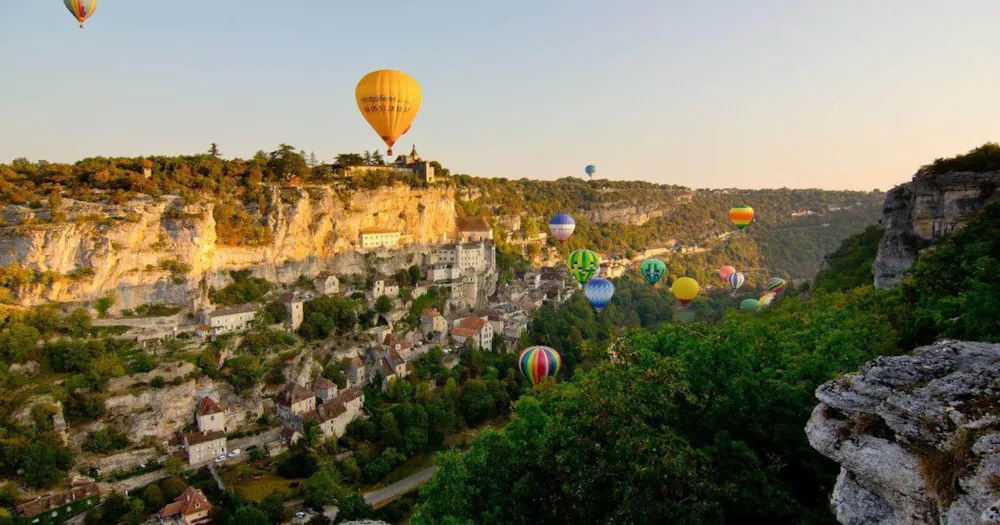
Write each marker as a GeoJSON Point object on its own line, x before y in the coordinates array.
{"type": "Point", "coordinates": [941, 470]}
{"type": "Point", "coordinates": [105, 331]}
{"type": "Point", "coordinates": [259, 482]}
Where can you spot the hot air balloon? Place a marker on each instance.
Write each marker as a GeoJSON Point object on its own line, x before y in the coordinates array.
{"type": "Point", "coordinates": [741, 215]}
{"type": "Point", "coordinates": [81, 9]}
{"type": "Point", "coordinates": [726, 271]}
{"type": "Point", "coordinates": [539, 362]}
{"type": "Point", "coordinates": [591, 170]}
{"type": "Point", "coordinates": [750, 305]}
{"type": "Point", "coordinates": [735, 280]}
{"type": "Point", "coordinates": [599, 292]}
{"type": "Point", "coordinates": [561, 227]}
{"type": "Point", "coordinates": [776, 284]}
{"type": "Point", "coordinates": [389, 100]}
{"type": "Point", "coordinates": [685, 289]}
{"type": "Point", "coordinates": [583, 265]}
{"type": "Point", "coordinates": [652, 270]}
{"type": "Point", "coordinates": [766, 298]}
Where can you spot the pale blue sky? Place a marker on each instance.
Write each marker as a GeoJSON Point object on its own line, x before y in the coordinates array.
{"type": "Point", "coordinates": [750, 93]}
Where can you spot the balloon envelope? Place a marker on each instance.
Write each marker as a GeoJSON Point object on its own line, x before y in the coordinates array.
{"type": "Point", "coordinates": [583, 265]}
{"type": "Point", "coordinates": [776, 284]}
{"type": "Point", "coordinates": [599, 292]}
{"type": "Point", "coordinates": [652, 270]}
{"type": "Point", "coordinates": [539, 362]}
{"type": "Point", "coordinates": [750, 305]}
{"type": "Point", "coordinates": [736, 280]}
{"type": "Point", "coordinates": [741, 215]}
{"type": "Point", "coordinates": [389, 100]}
{"type": "Point", "coordinates": [591, 170]}
{"type": "Point", "coordinates": [561, 227]}
{"type": "Point", "coordinates": [726, 271]}
{"type": "Point", "coordinates": [685, 289]}
{"type": "Point", "coordinates": [81, 9]}
{"type": "Point", "coordinates": [766, 298]}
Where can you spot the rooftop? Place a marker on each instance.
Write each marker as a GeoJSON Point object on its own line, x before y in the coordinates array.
{"type": "Point", "coordinates": [289, 297]}
{"type": "Point", "coordinates": [242, 309]}
{"type": "Point", "coordinates": [209, 406]}
{"type": "Point", "coordinates": [475, 323]}
{"type": "Point", "coordinates": [195, 438]}
{"type": "Point", "coordinates": [191, 501]}
{"type": "Point", "coordinates": [293, 393]}
{"type": "Point", "coordinates": [323, 383]}
{"type": "Point", "coordinates": [464, 332]}
{"type": "Point", "coordinates": [365, 231]}
{"type": "Point", "coordinates": [37, 506]}
{"type": "Point", "coordinates": [472, 224]}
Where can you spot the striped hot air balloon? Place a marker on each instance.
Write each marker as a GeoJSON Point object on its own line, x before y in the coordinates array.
{"type": "Point", "coordinates": [583, 265]}
{"type": "Point", "coordinates": [776, 284]}
{"type": "Point", "coordinates": [741, 215]}
{"type": "Point", "coordinates": [735, 280]}
{"type": "Point", "coordinates": [539, 362]}
{"type": "Point", "coordinates": [81, 9]}
{"type": "Point", "coordinates": [561, 227]}
{"type": "Point", "coordinates": [599, 292]}
{"type": "Point", "coordinates": [652, 270]}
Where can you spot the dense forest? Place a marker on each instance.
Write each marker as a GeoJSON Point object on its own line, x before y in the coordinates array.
{"type": "Point", "coordinates": [702, 422]}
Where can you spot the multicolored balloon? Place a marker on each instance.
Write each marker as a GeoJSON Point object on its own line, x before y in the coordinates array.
{"type": "Point", "coordinates": [750, 305]}
{"type": "Point", "coordinates": [725, 272]}
{"type": "Point", "coordinates": [591, 170]}
{"type": "Point", "coordinates": [599, 292]}
{"type": "Point", "coordinates": [81, 9]}
{"type": "Point", "coordinates": [741, 215]}
{"type": "Point", "coordinates": [583, 264]}
{"type": "Point", "coordinates": [539, 362]}
{"type": "Point", "coordinates": [776, 284]}
{"type": "Point", "coordinates": [389, 100]}
{"type": "Point", "coordinates": [561, 227]}
{"type": "Point", "coordinates": [735, 280]}
{"type": "Point", "coordinates": [653, 270]}
{"type": "Point", "coordinates": [685, 289]}
{"type": "Point", "coordinates": [766, 298]}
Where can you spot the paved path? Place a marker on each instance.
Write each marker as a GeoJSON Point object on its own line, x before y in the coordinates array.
{"type": "Point", "coordinates": [398, 488]}
{"type": "Point", "coordinates": [218, 480]}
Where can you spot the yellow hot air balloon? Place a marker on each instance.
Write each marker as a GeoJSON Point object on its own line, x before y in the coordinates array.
{"type": "Point", "coordinates": [685, 289]}
{"type": "Point", "coordinates": [389, 100]}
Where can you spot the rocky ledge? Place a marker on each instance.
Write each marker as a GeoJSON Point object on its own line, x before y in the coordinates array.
{"type": "Point", "coordinates": [917, 437]}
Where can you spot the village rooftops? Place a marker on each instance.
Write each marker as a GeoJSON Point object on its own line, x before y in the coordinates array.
{"type": "Point", "coordinates": [429, 312]}
{"type": "Point", "coordinates": [293, 393]}
{"type": "Point", "coordinates": [472, 224]}
{"type": "Point", "coordinates": [195, 438]}
{"type": "Point", "coordinates": [208, 406]}
{"type": "Point", "coordinates": [323, 383]}
{"type": "Point", "coordinates": [464, 332]}
{"type": "Point", "coordinates": [242, 309]}
{"type": "Point", "coordinates": [40, 505]}
{"type": "Point", "coordinates": [191, 501]}
{"type": "Point", "coordinates": [394, 357]}
{"type": "Point", "coordinates": [289, 297]}
{"type": "Point", "coordinates": [474, 323]}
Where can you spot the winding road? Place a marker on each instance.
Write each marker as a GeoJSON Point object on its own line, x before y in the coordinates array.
{"type": "Point", "coordinates": [376, 498]}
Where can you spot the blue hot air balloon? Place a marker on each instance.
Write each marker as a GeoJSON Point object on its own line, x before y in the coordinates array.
{"type": "Point", "coordinates": [591, 170]}
{"type": "Point", "coordinates": [561, 227]}
{"type": "Point", "coordinates": [599, 292]}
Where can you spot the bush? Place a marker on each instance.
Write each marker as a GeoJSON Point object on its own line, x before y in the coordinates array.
{"type": "Point", "coordinates": [106, 441]}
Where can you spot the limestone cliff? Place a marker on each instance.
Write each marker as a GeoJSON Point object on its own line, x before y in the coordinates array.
{"type": "Point", "coordinates": [918, 213]}
{"type": "Point", "coordinates": [158, 249]}
{"type": "Point", "coordinates": [917, 437]}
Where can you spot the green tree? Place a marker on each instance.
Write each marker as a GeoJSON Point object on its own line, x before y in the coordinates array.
{"type": "Point", "coordinates": [17, 341]}
{"type": "Point", "coordinates": [322, 486]}
{"type": "Point", "coordinates": [286, 163]}
{"type": "Point", "coordinates": [173, 467]}
{"type": "Point", "coordinates": [250, 515]}
{"type": "Point", "coordinates": [172, 486]}
{"type": "Point", "coordinates": [152, 496]}
{"type": "Point", "coordinates": [77, 323]}
{"type": "Point", "coordinates": [383, 304]}
{"type": "Point", "coordinates": [475, 402]}
{"type": "Point", "coordinates": [103, 304]}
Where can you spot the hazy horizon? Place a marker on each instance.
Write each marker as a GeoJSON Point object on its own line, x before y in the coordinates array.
{"type": "Point", "coordinates": [852, 95]}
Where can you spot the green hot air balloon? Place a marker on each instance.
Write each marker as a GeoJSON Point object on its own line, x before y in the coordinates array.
{"type": "Point", "coordinates": [583, 264]}
{"type": "Point", "coordinates": [750, 305]}
{"type": "Point", "coordinates": [652, 270]}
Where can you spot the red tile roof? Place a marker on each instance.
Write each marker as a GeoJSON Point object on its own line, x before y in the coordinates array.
{"type": "Point", "coordinates": [191, 501]}
{"type": "Point", "coordinates": [464, 332]}
{"type": "Point", "coordinates": [208, 406]}
{"type": "Point", "coordinates": [195, 438]}
{"type": "Point", "coordinates": [53, 501]}
{"type": "Point", "coordinates": [474, 323]}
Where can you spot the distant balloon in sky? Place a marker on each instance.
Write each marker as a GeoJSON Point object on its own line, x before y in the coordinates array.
{"type": "Point", "coordinates": [750, 305]}
{"type": "Point", "coordinates": [685, 289]}
{"type": "Point", "coordinates": [652, 270]}
{"type": "Point", "coordinates": [389, 100]}
{"type": "Point", "coordinates": [561, 227]}
{"type": "Point", "coordinates": [599, 292]}
{"type": "Point", "coordinates": [81, 9]}
{"type": "Point", "coordinates": [726, 271]}
{"type": "Point", "coordinates": [591, 170]}
{"type": "Point", "coordinates": [539, 362]}
{"type": "Point", "coordinates": [741, 215]}
{"type": "Point", "coordinates": [583, 265]}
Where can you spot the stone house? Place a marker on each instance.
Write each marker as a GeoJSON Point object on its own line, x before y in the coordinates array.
{"type": "Point", "coordinates": [294, 401]}
{"type": "Point", "coordinates": [204, 446]}
{"type": "Point", "coordinates": [326, 283]}
{"type": "Point", "coordinates": [378, 238]}
{"type": "Point", "coordinates": [229, 320]}
{"type": "Point", "coordinates": [397, 344]}
{"type": "Point", "coordinates": [393, 366]}
{"type": "Point", "coordinates": [56, 508]}
{"type": "Point", "coordinates": [432, 321]}
{"type": "Point", "coordinates": [190, 508]}
{"type": "Point", "coordinates": [324, 389]}
{"type": "Point", "coordinates": [475, 329]}
{"type": "Point", "coordinates": [473, 229]}
{"type": "Point", "coordinates": [210, 415]}
{"type": "Point", "coordinates": [335, 414]}
{"type": "Point", "coordinates": [357, 373]}
{"type": "Point", "coordinates": [294, 306]}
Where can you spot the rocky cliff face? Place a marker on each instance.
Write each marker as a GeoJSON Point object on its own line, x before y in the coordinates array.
{"type": "Point", "coordinates": [917, 437]}
{"type": "Point", "coordinates": [918, 213]}
{"type": "Point", "coordinates": [312, 229]}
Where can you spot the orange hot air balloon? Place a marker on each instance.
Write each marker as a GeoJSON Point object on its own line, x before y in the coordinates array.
{"type": "Point", "coordinates": [389, 100]}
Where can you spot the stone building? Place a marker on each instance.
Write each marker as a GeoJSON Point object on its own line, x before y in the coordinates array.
{"type": "Point", "coordinates": [476, 329]}
{"type": "Point", "coordinates": [210, 415]}
{"type": "Point", "coordinates": [324, 389]}
{"type": "Point", "coordinates": [372, 238]}
{"type": "Point", "coordinates": [473, 229]}
{"type": "Point", "coordinates": [190, 508]}
{"type": "Point", "coordinates": [294, 307]}
{"type": "Point", "coordinates": [334, 414]}
{"type": "Point", "coordinates": [432, 321]}
{"type": "Point", "coordinates": [326, 283]}
{"type": "Point", "coordinates": [294, 401]}
{"type": "Point", "coordinates": [204, 446]}
{"type": "Point", "coordinates": [229, 320]}
{"type": "Point", "coordinates": [56, 508]}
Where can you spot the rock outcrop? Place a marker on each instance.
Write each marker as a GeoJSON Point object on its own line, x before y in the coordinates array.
{"type": "Point", "coordinates": [918, 213]}
{"type": "Point", "coordinates": [159, 250]}
{"type": "Point", "coordinates": [917, 437]}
